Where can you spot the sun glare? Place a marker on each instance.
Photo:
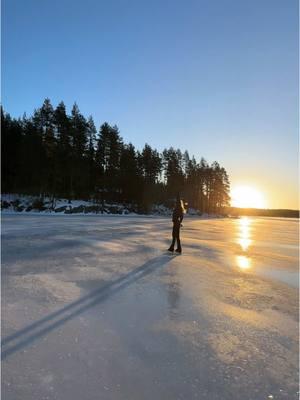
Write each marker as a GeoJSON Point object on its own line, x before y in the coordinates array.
{"type": "Point", "coordinates": [247, 197]}
{"type": "Point", "coordinates": [243, 262]}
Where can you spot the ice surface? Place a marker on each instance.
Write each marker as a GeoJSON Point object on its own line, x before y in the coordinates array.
{"type": "Point", "coordinates": [93, 307]}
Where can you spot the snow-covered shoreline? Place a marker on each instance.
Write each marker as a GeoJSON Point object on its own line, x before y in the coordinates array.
{"type": "Point", "coordinates": [20, 204]}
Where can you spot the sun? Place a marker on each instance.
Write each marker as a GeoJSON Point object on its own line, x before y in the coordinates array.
{"type": "Point", "coordinates": [247, 197]}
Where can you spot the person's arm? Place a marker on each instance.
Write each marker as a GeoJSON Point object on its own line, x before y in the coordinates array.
{"type": "Point", "coordinates": [181, 216]}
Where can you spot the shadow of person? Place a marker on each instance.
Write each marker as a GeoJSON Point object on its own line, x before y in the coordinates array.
{"type": "Point", "coordinates": [173, 295]}
{"type": "Point", "coordinates": [36, 330]}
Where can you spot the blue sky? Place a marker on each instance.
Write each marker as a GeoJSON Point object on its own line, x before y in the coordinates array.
{"type": "Point", "coordinates": [218, 78]}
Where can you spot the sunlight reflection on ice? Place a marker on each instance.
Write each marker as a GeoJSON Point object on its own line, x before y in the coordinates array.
{"type": "Point", "coordinates": [244, 241]}
{"type": "Point", "coordinates": [244, 233]}
{"type": "Point", "coordinates": [243, 262]}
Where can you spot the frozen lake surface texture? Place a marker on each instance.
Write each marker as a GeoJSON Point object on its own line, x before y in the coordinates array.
{"type": "Point", "coordinates": [94, 307]}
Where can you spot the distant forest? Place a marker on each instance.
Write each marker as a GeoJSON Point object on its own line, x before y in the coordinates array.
{"type": "Point", "coordinates": [58, 155]}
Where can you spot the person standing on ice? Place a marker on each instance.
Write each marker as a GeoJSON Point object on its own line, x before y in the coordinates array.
{"type": "Point", "coordinates": [177, 218]}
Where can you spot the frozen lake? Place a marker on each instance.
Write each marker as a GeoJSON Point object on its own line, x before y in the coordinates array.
{"type": "Point", "coordinates": [93, 307]}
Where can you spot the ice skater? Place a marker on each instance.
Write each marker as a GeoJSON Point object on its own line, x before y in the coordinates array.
{"type": "Point", "coordinates": [177, 218]}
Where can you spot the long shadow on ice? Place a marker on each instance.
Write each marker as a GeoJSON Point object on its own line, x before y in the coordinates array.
{"type": "Point", "coordinates": [34, 331]}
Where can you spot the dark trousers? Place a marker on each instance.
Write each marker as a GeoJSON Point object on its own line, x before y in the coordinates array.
{"type": "Point", "coordinates": [175, 235]}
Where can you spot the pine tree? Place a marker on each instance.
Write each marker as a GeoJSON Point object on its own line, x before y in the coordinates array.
{"type": "Point", "coordinates": [33, 159]}
{"type": "Point", "coordinates": [79, 165]}
{"type": "Point", "coordinates": [174, 173]}
{"type": "Point", "coordinates": [11, 139]}
{"type": "Point", "coordinates": [129, 179]}
{"type": "Point", "coordinates": [91, 154]}
{"type": "Point", "coordinates": [109, 146]}
{"type": "Point", "coordinates": [151, 164]}
{"type": "Point", "coordinates": [79, 129]}
{"type": "Point", "coordinates": [62, 125]}
{"type": "Point", "coordinates": [191, 177]}
{"type": "Point", "coordinates": [43, 121]}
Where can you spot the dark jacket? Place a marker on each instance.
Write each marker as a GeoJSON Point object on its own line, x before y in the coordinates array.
{"type": "Point", "coordinates": [177, 216]}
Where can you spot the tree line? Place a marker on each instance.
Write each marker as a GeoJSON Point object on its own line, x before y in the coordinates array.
{"type": "Point", "coordinates": [58, 155]}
